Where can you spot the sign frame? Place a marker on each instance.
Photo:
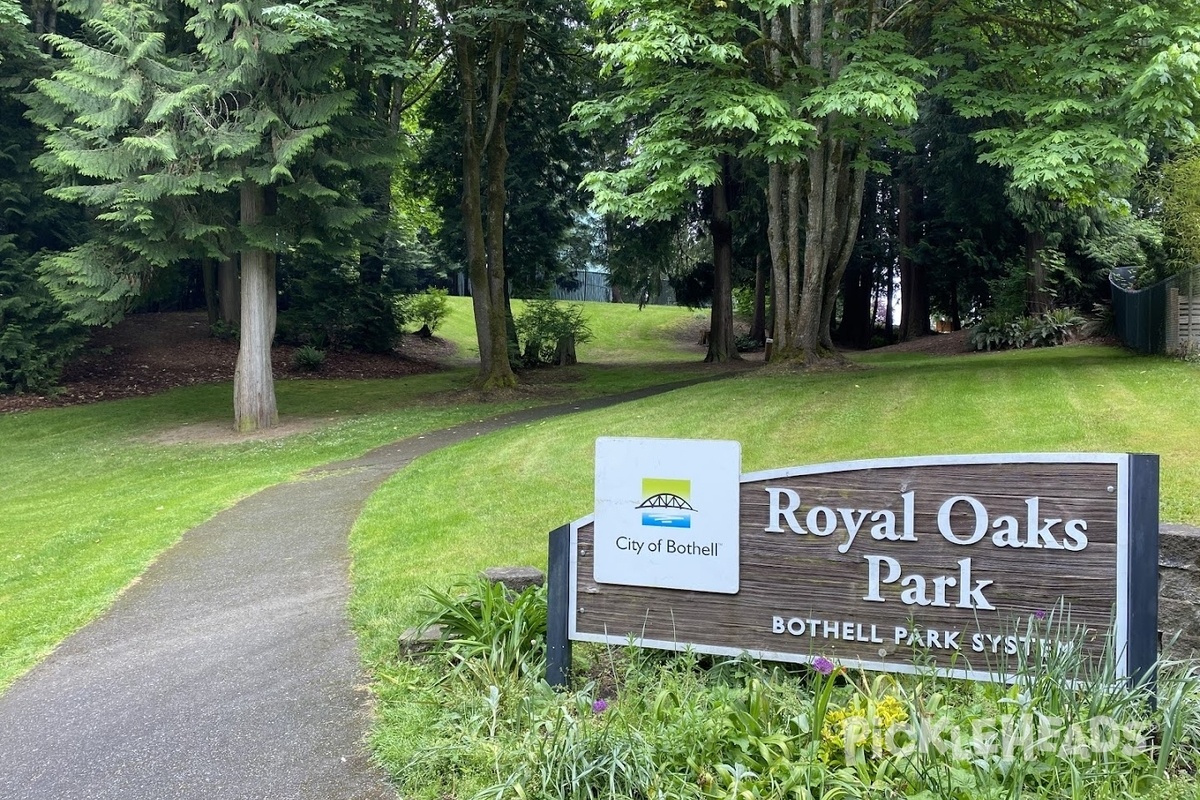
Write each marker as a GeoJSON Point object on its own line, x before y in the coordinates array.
{"type": "Point", "coordinates": [1134, 629]}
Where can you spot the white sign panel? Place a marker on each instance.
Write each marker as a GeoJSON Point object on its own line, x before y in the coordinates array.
{"type": "Point", "coordinates": [667, 513]}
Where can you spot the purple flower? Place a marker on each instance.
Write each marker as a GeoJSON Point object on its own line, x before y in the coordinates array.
{"type": "Point", "coordinates": [1040, 613]}
{"type": "Point", "coordinates": [822, 665]}
{"type": "Point", "coordinates": [600, 706]}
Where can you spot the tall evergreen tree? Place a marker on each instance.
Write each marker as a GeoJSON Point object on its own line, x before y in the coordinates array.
{"type": "Point", "coordinates": [191, 151]}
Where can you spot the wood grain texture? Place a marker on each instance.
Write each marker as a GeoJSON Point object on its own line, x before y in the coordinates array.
{"type": "Point", "coordinates": [804, 576]}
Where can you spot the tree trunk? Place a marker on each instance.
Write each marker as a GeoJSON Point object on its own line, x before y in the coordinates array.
{"type": "Point", "coordinates": [777, 227]}
{"type": "Point", "coordinates": [472, 211]}
{"type": "Point", "coordinates": [822, 199]}
{"type": "Point", "coordinates": [500, 374]}
{"type": "Point", "coordinates": [758, 322]}
{"type": "Point", "coordinates": [721, 345]}
{"type": "Point", "coordinates": [955, 311]}
{"type": "Point", "coordinates": [564, 354]}
{"type": "Point", "coordinates": [208, 268]}
{"type": "Point", "coordinates": [253, 384]}
{"type": "Point", "coordinates": [848, 216]}
{"type": "Point", "coordinates": [914, 294]}
{"type": "Point", "coordinates": [229, 292]}
{"type": "Point", "coordinates": [485, 247]}
{"type": "Point", "coordinates": [1037, 293]}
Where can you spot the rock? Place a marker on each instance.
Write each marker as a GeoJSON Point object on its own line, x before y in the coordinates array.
{"type": "Point", "coordinates": [515, 579]}
{"type": "Point", "coordinates": [416, 642]}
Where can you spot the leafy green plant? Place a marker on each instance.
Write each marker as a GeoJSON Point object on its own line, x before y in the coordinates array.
{"type": "Point", "coordinates": [745, 344]}
{"type": "Point", "coordinates": [546, 326]}
{"type": "Point", "coordinates": [991, 333]}
{"type": "Point", "coordinates": [1054, 327]}
{"type": "Point", "coordinates": [223, 330]}
{"type": "Point", "coordinates": [308, 359]}
{"type": "Point", "coordinates": [490, 636]}
{"type": "Point", "coordinates": [36, 339]}
{"type": "Point", "coordinates": [430, 308]}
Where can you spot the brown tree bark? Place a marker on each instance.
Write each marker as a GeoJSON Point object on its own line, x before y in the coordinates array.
{"type": "Point", "coordinates": [500, 375]}
{"type": "Point", "coordinates": [253, 383]}
{"type": "Point", "coordinates": [471, 207]}
{"type": "Point", "coordinates": [914, 293]}
{"type": "Point", "coordinates": [208, 269]}
{"type": "Point", "coordinates": [721, 344]}
{"type": "Point", "coordinates": [485, 244]}
{"type": "Point", "coordinates": [229, 292]}
{"type": "Point", "coordinates": [1037, 292]}
{"type": "Point", "coordinates": [758, 321]}
{"type": "Point", "coordinates": [777, 226]}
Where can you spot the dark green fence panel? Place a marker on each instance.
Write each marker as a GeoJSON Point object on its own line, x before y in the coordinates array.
{"type": "Point", "coordinates": [1141, 314]}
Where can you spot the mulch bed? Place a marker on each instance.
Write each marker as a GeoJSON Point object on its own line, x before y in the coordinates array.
{"type": "Point", "coordinates": [150, 353]}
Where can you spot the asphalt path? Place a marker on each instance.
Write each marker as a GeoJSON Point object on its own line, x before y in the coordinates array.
{"type": "Point", "coordinates": [229, 669]}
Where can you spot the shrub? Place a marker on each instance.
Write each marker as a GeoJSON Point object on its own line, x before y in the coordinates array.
{"type": "Point", "coordinates": [991, 333]}
{"type": "Point", "coordinates": [223, 330]}
{"type": "Point", "coordinates": [547, 325]}
{"type": "Point", "coordinates": [430, 308]}
{"type": "Point", "coordinates": [308, 359]}
{"type": "Point", "coordinates": [36, 339]}
{"type": "Point", "coordinates": [745, 344]}
{"type": "Point", "coordinates": [328, 306]}
{"type": "Point", "coordinates": [997, 331]}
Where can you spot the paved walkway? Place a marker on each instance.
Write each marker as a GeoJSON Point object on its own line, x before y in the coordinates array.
{"type": "Point", "coordinates": [229, 669]}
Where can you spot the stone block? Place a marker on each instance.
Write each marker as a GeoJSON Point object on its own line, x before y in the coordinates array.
{"type": "Point", "coordinates": [515, 579]}
{"type": "Point", "coordinates": [416, 642]}
{"type": "Point", "coordinates": [1179, 547]}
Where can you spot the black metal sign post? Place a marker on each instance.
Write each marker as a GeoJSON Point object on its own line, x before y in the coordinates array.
{"type": "Point", "coordinates": [558, 581]}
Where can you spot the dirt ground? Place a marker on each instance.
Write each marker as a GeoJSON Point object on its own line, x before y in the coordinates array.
{"type": "Point", "coordinates": [150, 353]}
{"type": "Point", "coordinates": [941, 344]}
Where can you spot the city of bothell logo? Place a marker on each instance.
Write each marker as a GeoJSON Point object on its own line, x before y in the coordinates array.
{"type": "Point", "coordinates": [666, 504]}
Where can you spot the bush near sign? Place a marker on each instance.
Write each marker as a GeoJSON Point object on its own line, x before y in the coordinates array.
{"type": "Point", "coordinates": [878, 564]}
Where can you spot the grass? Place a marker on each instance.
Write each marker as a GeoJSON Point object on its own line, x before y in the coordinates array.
{"type": "Point", "coordinates": [90, 499]}
{"type": "Point", "coordinates": [513, 487]}
{"type": "Point", "coordinates": [623, 335]}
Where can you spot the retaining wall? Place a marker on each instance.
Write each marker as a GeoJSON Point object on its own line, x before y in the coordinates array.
{"type": "Point", "coordinates": [1179, 588]}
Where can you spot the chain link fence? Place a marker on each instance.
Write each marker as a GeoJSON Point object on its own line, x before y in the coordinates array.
{"type": "Point", "coordinates": [1162, 318]}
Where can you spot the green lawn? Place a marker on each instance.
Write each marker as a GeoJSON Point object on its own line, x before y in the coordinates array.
{"type": "Point", "coordinates": [517, 485]}
{"type": "Point", "coordinates": [90, 499]}
{"type": "Point", "coordinates": [623, 335]}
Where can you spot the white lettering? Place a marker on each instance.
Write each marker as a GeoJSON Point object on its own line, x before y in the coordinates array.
{"type": "Point", "coordinates": [981, 517]}
{"type": "Point", "coordinates": [1076, 538]}
{"type": "Point", "coordinates": [885, 529]}
{"type": "Point", "coordinates": [873, 577]}
{"type": "Point", "coordinates": [1009, 535]}
{"type": "Point", "coordinates": [815, 526]}
{"type": "Point", "coordinates": [776, 512]}
{"type": "Point", "coordinates": [852, 525]}
{"type": "Point", "coordinates": [971, 596]}
{"type": "Point", "coordinates": [1039, 531]}
{"type": "Point", "coordinates": [910, 514]}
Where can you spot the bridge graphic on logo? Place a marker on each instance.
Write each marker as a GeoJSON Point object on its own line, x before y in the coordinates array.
{"type": "Point", "coordinates": [667, 505]}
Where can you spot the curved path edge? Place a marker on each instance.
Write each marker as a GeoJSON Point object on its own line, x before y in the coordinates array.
{"type": "Point", "coordinates": [228, 669]}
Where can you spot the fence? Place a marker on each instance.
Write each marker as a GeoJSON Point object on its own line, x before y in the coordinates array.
{"type": "Point", "coordinates": [1163, 318]}
{"type": "Point", "coordinates": [590, 286]}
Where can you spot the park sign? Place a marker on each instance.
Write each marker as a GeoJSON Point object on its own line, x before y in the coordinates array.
{"type": "Point", "coordinates": [941, 562]}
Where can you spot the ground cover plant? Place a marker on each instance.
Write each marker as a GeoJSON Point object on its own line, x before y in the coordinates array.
{"type": "Point", "coordinates": [511, 488]}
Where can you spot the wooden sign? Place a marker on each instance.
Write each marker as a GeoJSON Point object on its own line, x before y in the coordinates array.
{"type": "Point", "coordinates": [887, 564]}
